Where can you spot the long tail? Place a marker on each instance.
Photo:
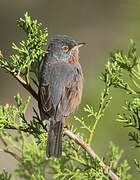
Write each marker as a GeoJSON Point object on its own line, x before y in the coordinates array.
{"type": "Point", "coordinates": [54, 142]}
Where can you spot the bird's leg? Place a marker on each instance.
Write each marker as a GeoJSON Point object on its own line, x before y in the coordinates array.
{"type": "Point", "coordinates": [67, 123]}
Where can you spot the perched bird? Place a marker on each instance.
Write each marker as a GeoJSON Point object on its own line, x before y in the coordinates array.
{"type": "Point", "coordinates": [60, 88]}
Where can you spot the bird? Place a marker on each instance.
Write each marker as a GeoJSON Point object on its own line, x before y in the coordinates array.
{"type": "Point", "coordinates": [60, 89]}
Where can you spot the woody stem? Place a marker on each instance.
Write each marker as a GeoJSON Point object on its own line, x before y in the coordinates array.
{"type": "Point", "coordinates": [90, 151]}
{"type": "Point", "coordinates": [23, 83]}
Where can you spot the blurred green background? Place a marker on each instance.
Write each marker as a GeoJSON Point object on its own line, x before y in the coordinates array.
{"type": "Point", "coordinates": [105, 26]}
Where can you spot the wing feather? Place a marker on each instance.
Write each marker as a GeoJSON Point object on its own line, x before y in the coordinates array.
{"type": "Point", "coordinates": [58, 88]}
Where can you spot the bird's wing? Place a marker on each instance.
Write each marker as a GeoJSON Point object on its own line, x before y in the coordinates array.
{"type": "Point", "coordinates": [57, 80]}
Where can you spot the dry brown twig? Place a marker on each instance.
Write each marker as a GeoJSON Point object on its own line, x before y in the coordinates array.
{"type": "Point", "coordinates": [90, 151]}
{"type": "Point", "coordinates": [23, 83]}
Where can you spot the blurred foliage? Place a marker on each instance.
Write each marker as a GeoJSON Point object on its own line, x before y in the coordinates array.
{"type": "Point", "coordinates": [4, 175]}
{"type": "Point", "coordinates": [28, 145]}
{"type": "Point", "coordinates": [119, 66]}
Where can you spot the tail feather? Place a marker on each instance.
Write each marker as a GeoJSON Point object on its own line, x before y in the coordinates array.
{"type": "Point", "coordinates": [54, 142]}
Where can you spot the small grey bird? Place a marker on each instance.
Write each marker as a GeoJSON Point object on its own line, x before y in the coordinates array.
{"type": "Point", "coordinates": [60, 88]}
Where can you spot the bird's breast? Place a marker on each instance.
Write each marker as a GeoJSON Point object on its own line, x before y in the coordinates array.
{"type": "Point", "coordinates": [74, 59]}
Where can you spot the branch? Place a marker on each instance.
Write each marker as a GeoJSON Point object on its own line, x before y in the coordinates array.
{"type": "Point", "coordinates": [87, 148]}
{"type": "Point", "coordinates": [23, 83]}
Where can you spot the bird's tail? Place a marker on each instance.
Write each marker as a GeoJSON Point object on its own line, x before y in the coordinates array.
{"type": "Point", "coordinates": [54, 142]}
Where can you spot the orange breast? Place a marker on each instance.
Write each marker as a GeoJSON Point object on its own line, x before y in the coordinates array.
{"type": "Point", "coordinates": [76, 91]}
{"type": "Point", "coordinates": [76, 94]}
{"type": "Point", "coordinates": [74, 59]}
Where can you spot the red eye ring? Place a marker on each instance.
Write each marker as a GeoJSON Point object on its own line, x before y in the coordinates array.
{"type": "Point", "coordinates": [65, 48]}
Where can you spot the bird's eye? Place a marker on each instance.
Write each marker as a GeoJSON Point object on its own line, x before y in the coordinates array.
{"type": "Point", "coordinates": [65, 48]}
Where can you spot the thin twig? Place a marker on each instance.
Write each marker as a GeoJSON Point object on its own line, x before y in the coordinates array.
{"type": "Point", "coordinates": [23, 83]}
{"type": "Point", "coordinates": [13, 154]}
{"type": "Point", "coordinates": [90, 151]}
{"type": "Point", "coordinates": [7, 150]}
{"type": "Point", "coordinates": [99, 114]}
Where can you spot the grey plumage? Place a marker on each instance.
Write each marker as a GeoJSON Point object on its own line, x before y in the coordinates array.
{"type": "Point", "coordinates": [58, 78]}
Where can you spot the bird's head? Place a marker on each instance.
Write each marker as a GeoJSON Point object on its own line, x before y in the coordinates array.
{"type": "Point", "coordinates": [62, 47]}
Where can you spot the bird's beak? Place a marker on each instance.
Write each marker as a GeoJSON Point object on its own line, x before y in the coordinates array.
{"type": "Point", "coordinates": [78, 46]}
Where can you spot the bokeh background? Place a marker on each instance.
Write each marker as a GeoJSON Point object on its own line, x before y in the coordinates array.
{"type": "Point", "coordinates": [105, 26]}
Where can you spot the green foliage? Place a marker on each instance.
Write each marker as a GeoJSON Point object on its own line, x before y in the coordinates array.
{"type": "Point", "coordinates": [117, 69]}
{"type": "Point", "coordinates": [123, 170]}
{"type": "Point", "coordinates": [4, 175]}
{"type": "Point", "coordinates": [10, 114]}
{"type": "Point", "coordinates": [114, 155]}
{"type": "Point", "coordinates": [30, 146]}
{"type": "Point", "coordinates": [131, 119]}
{"type": "Point", "coordinates": [13, 117]}
{"type": "Point", "coordinates": [29, 53]}
{"type": "Point", "coordinates": [137, 164]}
